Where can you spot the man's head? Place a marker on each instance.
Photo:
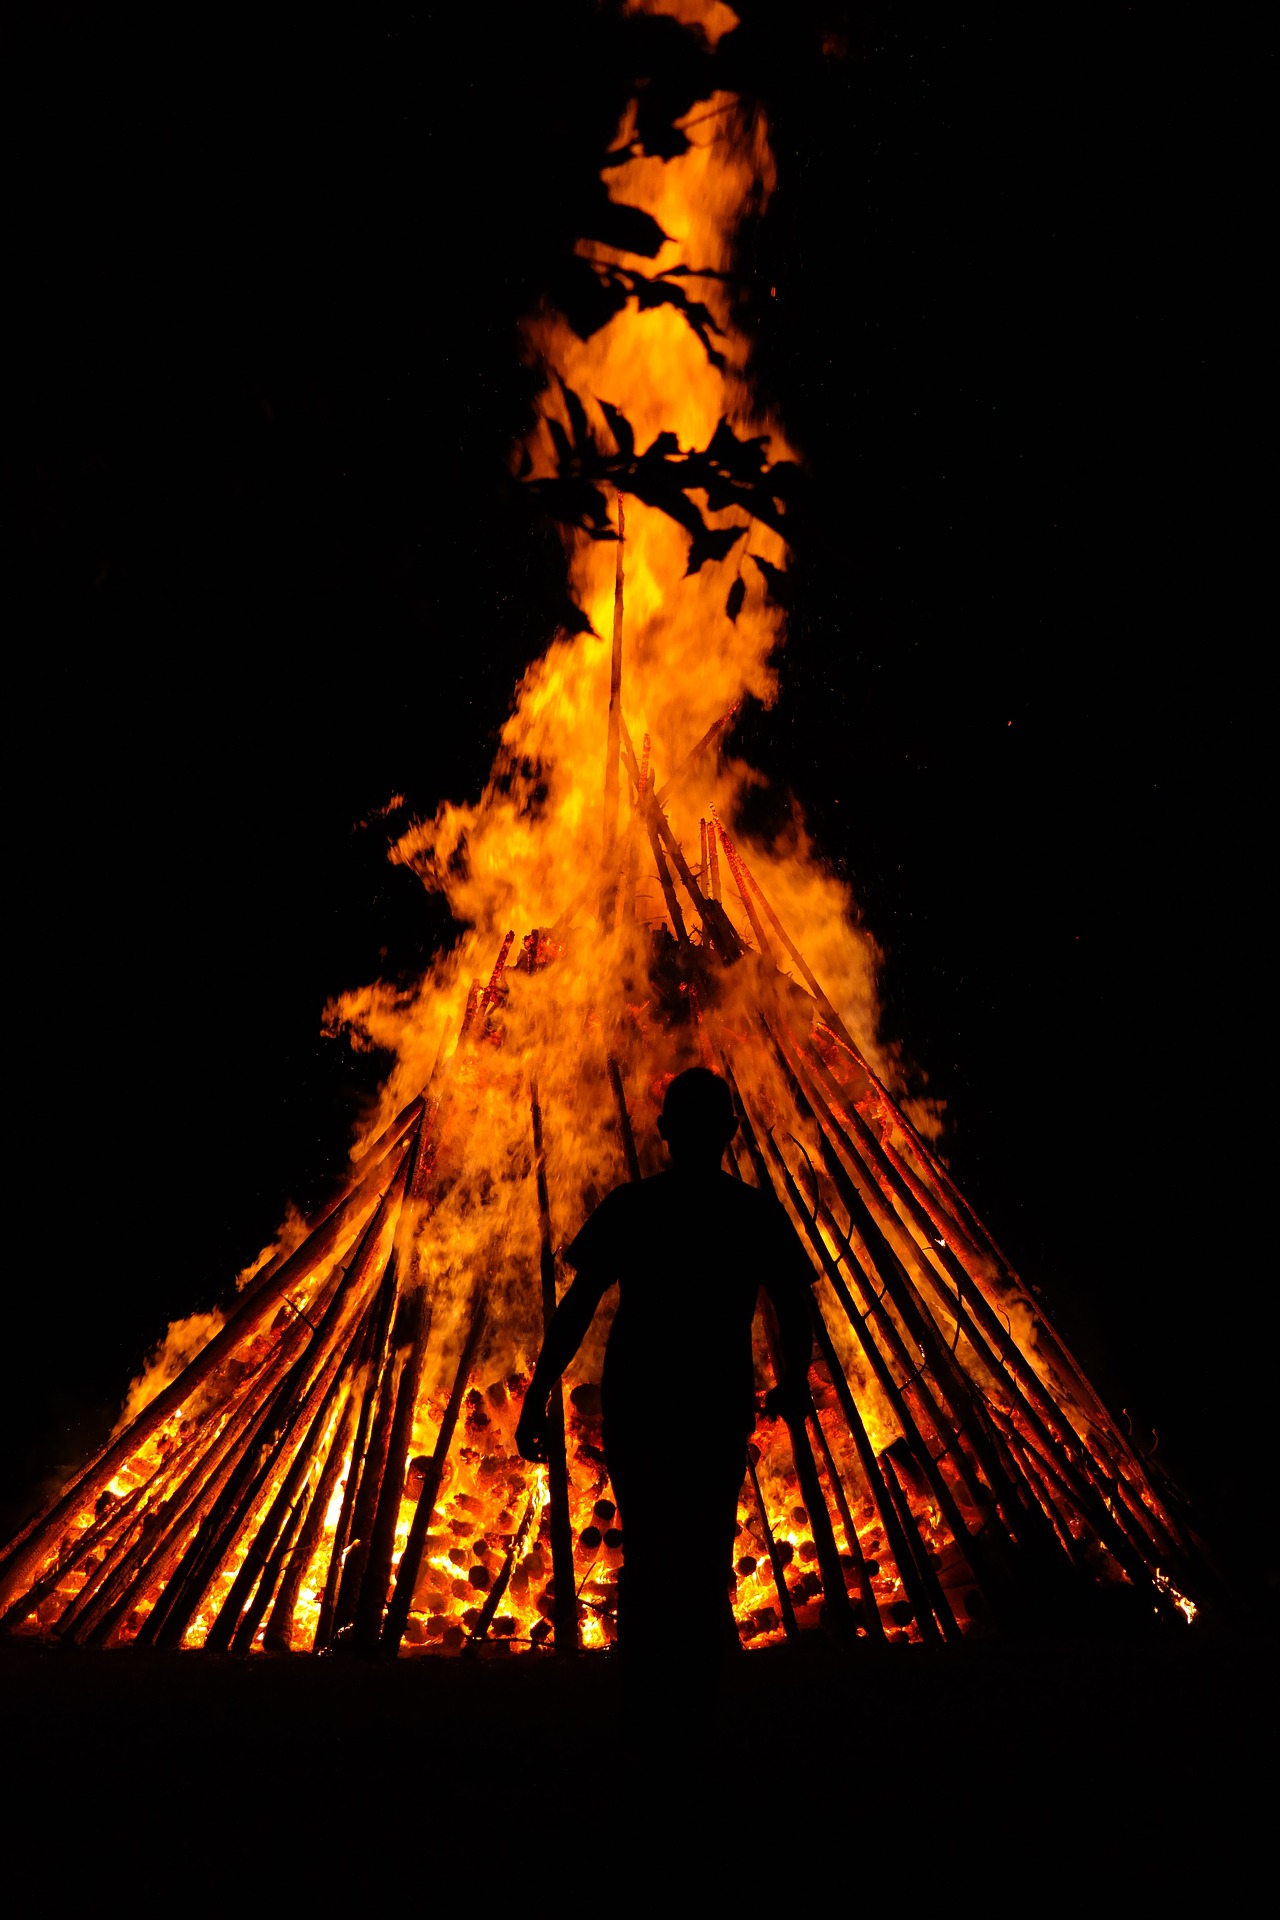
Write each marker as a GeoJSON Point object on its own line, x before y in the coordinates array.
{"type": "Point", "coordinates": [697, 1120]}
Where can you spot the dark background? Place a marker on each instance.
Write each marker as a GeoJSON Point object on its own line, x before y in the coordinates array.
{"type": "Point", "coordinates": [265, 279]}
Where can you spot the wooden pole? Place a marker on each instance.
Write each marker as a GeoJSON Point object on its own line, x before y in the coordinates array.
{"type": "Point", "coordinates": [838, 1615]}
{"type": "Point", "coordinates": [372, 1469]}
{"type": "Point", "coordinates": [898, 1543]}
{"type": "Point", "coordinates": [668, 890]}
{"type": "Point", "coordinates": [789, 1623]}
{"type": "Point", "coordinates": [279, 1634]}
{"type": "Point", "coordinates": [220, 1537]}
{"type": "Point", "coordinates": [565, 1619]}
{"type": "Point", "coordinates": [609, 889]}
{"type": "Point", "coordinates": [744, 891]}
{"type": "Point", "coordinates": [267, 1532]}
{"type": "Point", "coordinates": [716, 924]}
{"type": "Point", "coordinates": [368, 1401]}
{"type": "Point", "coordinates": [260, 1300]}
{"type": "Point", "coordinates": [624, 1120]}
{"type": "Point", "coordinates": [633, 839]}
{"type": "Point", "coordinates": [691, 758]}
{"type": "Point", "coordinates": [367, 1625]}
{"type": "Point", "coordinates": [411, 1559]}
{"type": "Point", "coordinates": [874, 1624]}
{"type": "Point", "coordinates": [514, 1553]}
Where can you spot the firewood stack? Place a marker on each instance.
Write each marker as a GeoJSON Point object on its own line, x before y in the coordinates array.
{"type": "Point", "coordinates": [335, 1470]}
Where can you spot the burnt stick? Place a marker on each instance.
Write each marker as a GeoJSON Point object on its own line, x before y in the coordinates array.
{"type": "Point", "coordinates": [267, 1533]}
{"type": "Point", "coordinates": [943, 1611]}
{"type": "Point", "coordinates": [987, 1575]}
{"type": "Point", "coordinates": [372, 1468]}
{"type": "Point", "coordinates": [260, 1300]}
{"type": "Point", "coordinates": [874, 1624]}
{"type": "Point", "coordinates": [279, 1634]}
{"type": "Point", "coordinates": [838, 1613]}
{"type": "Point", "coordinates": [375, 1587]}
{"type": "Point", "coordinates": [1015, 1375]}
{"type": "Point", "coordinates": [779, 1572]}
{"type": "Point", "coordinates": [609, 890]}
{"type": "Point", "coordinates": [898, 1544]}
{"type": "Point", "coordinates": [566, 1607]}
{"type": "Point", "coordinates": [493, 1599]}
{"type": "Point", "coordinates": [744, 892]}
{"type": "Point", "coordinates": [411, 1559]}
{"type": "Point", "coordinates": [668, 890]}
{"type": "Point", "coordinates": [624, 1120]}
{"type": "Point", "coordinates": [246, 1632]}
{"type": "Point", "coordinates": [368, 1400]}
{"type": "Point", "coordinates": [235, 1511]}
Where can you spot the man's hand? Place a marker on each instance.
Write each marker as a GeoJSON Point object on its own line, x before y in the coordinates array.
{"type": "Point", "coordinates": [790, 1399]}
{"type": "Point", "coordinates": [532, 1437]}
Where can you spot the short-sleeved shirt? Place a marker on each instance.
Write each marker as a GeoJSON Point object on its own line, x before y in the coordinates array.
{"type": "Point", "coordinates": [690, 1253]}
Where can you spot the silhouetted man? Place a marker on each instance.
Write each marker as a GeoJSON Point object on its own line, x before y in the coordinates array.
{"type": "Point", "coordinates": [690, 1249]}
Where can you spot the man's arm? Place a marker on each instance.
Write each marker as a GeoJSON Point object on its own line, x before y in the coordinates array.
{"type": "Point", "coordinates": [564, 1336]}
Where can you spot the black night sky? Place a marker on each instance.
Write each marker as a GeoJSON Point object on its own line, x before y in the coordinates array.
{"type": "Point", "coordinates": [265, 278]}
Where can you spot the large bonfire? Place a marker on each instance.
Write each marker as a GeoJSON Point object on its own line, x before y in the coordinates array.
{"type": "Point", "coordinates": [331, 1462]}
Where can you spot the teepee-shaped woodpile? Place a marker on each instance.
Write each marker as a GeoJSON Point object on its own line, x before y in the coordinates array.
{"type": "Point", "coordinates": [336, 1466]}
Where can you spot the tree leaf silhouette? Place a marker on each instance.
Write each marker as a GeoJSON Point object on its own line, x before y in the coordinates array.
{"type": "Point", "coordinates": [628, 229]}
{"type": "Point", "coordinates": [776, 581]}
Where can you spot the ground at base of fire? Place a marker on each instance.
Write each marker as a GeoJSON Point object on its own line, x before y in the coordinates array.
{"type": "Point", "coordinates": [1059, 1770]}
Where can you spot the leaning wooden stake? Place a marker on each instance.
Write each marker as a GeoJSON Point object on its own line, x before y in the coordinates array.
{"type": "Point", "coordinates": [279, 1634]}
{"type": "Point", "coordinates": [565, 1620]}
{"type": "Point", "coordinates": [368, 1401]}
{"type": "Point", "coordinates": [837, 1613]}
{"type": "Point", "coordinates": [776, 1567]}
{"type": "Point", "coordinates": [898, 1543]}
{"type": "Point", "coordinates": [367, 1626]}
{"type": "Point", "coordinates": [608, 892]}
{"type": "Point", "coordinates": [255, 1308]}
{"type": "Point", "coordinates": [411, 1559]}
{"type": "Point", "coordinates": [624, 1120]}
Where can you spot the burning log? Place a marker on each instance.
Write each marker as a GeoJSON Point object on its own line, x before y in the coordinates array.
{"type": "Point", "coordinates": [716, 924]}
{"type": "Point", "coordinates": [905, 1272]}
{"type": "Point", "coordinates": [246, 1633]}
{"type": "Point", "coordinates": [566, 1616]}
{"type": "Point", "coordinates": [633, 839]}
{"type": "Point", "coordinates": [744, 891]}
{"type": "Point", "coordinates": [269, 1530]}
{"type": "Point", "coordinates": [712, 734]}
{"type": "Point", "coordinates": [411, 1559]}
{"type": "Point", "coordinates": [777, 1566]}
{"type": "Point", "coordinates": [77, 1550]}
{"type": "Point", "coordinates": [866, 1593]}
{"type": "Point", "coordinates": [897, 1482]}
{"type": "Point", "coordinates": [368, 1400]}
{"type": "Point", "coordinates": [279, 1634]}
{"type": "Point", "coordinates": [372, 1470]}
{"type": "Point", "coordinates": [991, 1573]}
{"type": "Point", "coordinates": [488, 1612]}
{"type": "Point", "coordinates": [668, 890]}
{"type": "Point", "coordinates": [257, 1304]}
{"type": "Point", "coordinates": [150, 1565]}
{"type": "Point", "coordinates": [838, 1615]}
{"type": "Point", "coordinates": [373, 1593]}
{"type": "Point", "coordinates": [624, 1120]}
{"type": "Point", "coordinates": [608, 894]}
{"type": "Point", "coordinates": [221, 1534]}
{"type": "Point", "coordinates": [880, 1495]}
